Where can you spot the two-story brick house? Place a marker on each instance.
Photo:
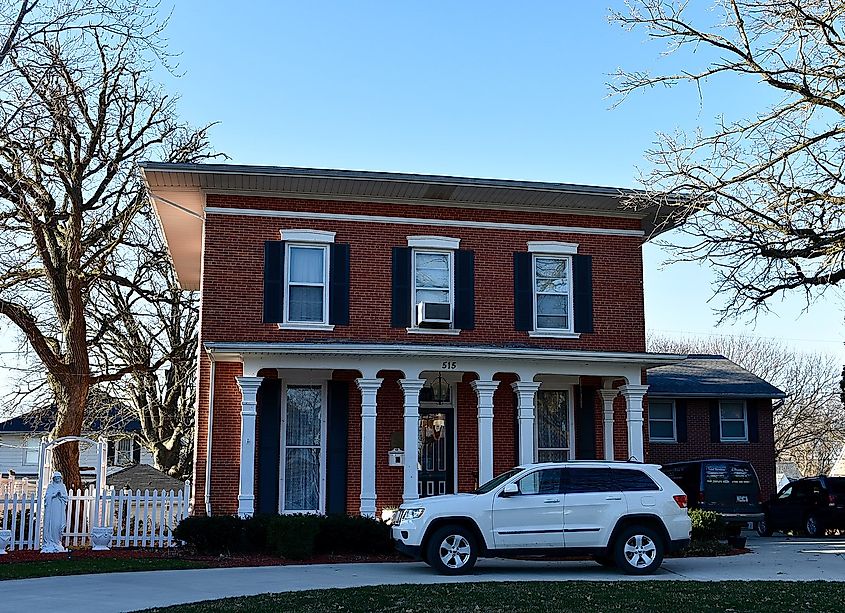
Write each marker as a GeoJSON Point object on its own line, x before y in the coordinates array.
{"type": "Point", "coordinates": [472, 324]}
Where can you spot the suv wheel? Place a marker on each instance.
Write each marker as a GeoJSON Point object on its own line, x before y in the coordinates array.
{"type": "Point", "coordinates": [638, 550]}
{"type": "Point", "coordinates": [813, 526]}
{"type": "Point", "coordinates": [452, 550]}
{"type": "Point", "coordinates": [763, 527]}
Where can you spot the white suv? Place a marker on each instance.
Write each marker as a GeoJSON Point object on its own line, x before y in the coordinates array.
{"type": "Point", "coordinates": [623, 514]}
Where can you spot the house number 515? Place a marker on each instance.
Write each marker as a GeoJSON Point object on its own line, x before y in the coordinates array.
{"type": "Point", "coordinates": [448, 365]}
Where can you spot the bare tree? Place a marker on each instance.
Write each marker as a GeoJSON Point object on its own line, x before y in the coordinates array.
{"type": "Point", "coordinates": [762, 196]}
{"type": "Point", "coordinates": [77, 111]}
{"type": "Point", "coordinates": [810, 423]}
{"type": "Point", "coordinates": [146, 318]}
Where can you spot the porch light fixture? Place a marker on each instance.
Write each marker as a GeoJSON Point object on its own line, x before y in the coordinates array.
{"type": "Point", "coordinates": [436, 390]}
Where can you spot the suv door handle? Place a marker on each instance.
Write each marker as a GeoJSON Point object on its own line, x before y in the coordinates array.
{"type": "Point", "coordinates": [614, 498]}
{"type": "Point", "coordinates": [551, 501]}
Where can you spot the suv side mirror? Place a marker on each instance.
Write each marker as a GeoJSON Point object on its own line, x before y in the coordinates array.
{"type": "Point", "coordinates": [511, 489]}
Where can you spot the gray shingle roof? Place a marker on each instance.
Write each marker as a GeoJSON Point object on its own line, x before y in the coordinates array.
{"type": "Point", "coordinates": [143, 477]}
{"type": "Point", "coordinates": [708, 376]}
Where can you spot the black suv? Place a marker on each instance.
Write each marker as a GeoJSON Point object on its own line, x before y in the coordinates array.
{"type": "Point", "coordinates": [727, 487]}
{"type": "Point", "coordinates": [813, 506]}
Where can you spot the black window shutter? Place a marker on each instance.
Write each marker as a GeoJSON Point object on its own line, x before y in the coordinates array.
{"type": "Point", "coordinates": [274, 281]}
{"type": "Point", "coordinates": [681, 420]}
{"type": "Point", "coordinates": [585, 425]}
{"type": "Point", "coordinates": [753, 417]}
{"type": "Point", "coordinates": [339, 284]}
{"type": "Point", "coordinates": [401, 304]}
{"type": "Point", "coordinates": [337, 423]}
{"type": "Point", "coordinates": [269, 410]}
{"type": "Point", "coordinates": [464, 289]}
{"type": "Point", "coordinates": [136, 451]}
{"type": "Point", "coordinates": [582, 294]}
{"type": "Point", "coordinates": [715, 428]}
{"type": "Point", "coordinates": [110, 453]}
{"type": "Point", "coordinates": [523, 291]}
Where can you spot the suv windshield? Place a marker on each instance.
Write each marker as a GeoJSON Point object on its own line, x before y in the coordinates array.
{"type": "Point", "coordinates": [494, 483]}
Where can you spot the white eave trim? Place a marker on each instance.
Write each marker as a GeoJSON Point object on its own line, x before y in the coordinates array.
{"type": "Point", "coordinates": [422, 221]}
{"type": "Point", "coordinates": [224, 351]}
{"type": "Point", "coordinates": [308, 236]}
{"type": "Point", "coordinates": [555, 247]}
{"type": "Point", "coordinates": [434, 242]}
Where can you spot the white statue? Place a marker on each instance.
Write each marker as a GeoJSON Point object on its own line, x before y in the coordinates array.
{"type": "Point", "coordinates": [55, 514]}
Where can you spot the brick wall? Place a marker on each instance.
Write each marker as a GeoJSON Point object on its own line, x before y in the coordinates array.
{"type": "Point", "coordinates": [233, 272]}
{"type": "Point", "coordinates": [761, 454]}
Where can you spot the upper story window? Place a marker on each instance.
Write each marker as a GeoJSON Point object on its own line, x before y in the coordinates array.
{"type": "Point", "coordinates": [123, 452]}
{"type": "Point", "coordinates": [552, 295]}
{"type": "Point", "coordinates": [553, 290]}
{"type": "Point", "coordinates": [661, 421]}
{"type": "Point", "coordinates": [733, 421]}
{"type": "Point", "coordinates": [306, 281]}
{"type": "Point", "coordinates": [306, 290]}
{"type": "Point", "coordinates": [432, 291]}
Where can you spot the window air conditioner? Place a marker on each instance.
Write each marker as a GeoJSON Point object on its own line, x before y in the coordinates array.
{"type": "Point", "coordinates": [434, 313]}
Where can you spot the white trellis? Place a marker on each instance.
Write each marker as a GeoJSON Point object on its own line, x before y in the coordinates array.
{"type": "Point", "coordinates": [45, 473]}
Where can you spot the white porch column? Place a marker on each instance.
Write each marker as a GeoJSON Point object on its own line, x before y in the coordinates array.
{"type": "Point", "coordinates": [369, 390]}
{"type": "Point", "coordinates": [484, 390]}
{"type": "Point", "coordinates": [411, 388]}
{"type": "Point", "coordinates": [525, 391]}
{"type": "Point", "coordinates": [607, 398]}
{"type": "Point", "coordinates": [246, 483]}
{"type": "Point", "coordinates": [634, 399]}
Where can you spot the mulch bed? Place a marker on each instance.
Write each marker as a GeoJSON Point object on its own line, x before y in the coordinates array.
{"type": "Point", "coordinates": [24, 556]}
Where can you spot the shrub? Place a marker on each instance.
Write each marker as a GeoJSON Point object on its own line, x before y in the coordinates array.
{"type": "Point", "coordinates": [353, 534]}
{"type": "Point", "coordinates": [212, 535]}
{"type": "Point", "coordinates": [293, 536]}
{"type": "Point", "coordinates": [707, 525]}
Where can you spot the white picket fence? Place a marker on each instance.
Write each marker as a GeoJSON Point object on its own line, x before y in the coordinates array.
{"type": "Point", "coordinates": [139, 519]}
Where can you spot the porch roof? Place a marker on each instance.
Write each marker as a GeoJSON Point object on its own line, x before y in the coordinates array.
{"type": "Point", "coordinates": [497, 358]}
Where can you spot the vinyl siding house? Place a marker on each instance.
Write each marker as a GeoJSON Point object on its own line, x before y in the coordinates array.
{"type": "Point", "coordinates": [368, 338]}
{"type": "Point", "coordinates": [20, 438]}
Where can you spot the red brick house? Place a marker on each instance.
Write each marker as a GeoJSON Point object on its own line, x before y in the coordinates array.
{"type": "Point", "coordinates": [352, 320]}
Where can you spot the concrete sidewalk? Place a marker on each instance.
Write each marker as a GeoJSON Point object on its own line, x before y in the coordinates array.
{"type": "Point", "coordinates": [774, 559]}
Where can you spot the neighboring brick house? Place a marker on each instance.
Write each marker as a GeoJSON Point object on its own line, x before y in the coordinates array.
{"type": "Point", "coordinates": [709, 407]}
{"type": "Point", "coordinates": [472, 323]}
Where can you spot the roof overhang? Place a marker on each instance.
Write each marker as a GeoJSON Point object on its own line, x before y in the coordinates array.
{"type": "Point", "coordinates": [725, 395]}
{"type": "Point", "coordinates": [178, 192]}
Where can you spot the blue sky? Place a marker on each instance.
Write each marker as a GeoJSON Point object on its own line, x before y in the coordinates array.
{"type": "Point", "coordinates": [488, 89]}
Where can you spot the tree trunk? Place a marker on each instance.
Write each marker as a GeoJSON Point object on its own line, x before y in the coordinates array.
{"type": "Point", "coordinates": [71, 399]}
{"type": "Point", "coordinates": [168, 460]}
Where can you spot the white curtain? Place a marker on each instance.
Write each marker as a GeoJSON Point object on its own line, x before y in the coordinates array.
{"type": "Point", "coordinates": [303, 439]}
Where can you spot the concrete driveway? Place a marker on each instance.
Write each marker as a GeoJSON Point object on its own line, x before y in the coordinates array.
{"type": "Point", "coordinates": [773, 559]}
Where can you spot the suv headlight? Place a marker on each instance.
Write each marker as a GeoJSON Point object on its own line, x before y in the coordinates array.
{"type": "Point", "coordinates": [409, 514]}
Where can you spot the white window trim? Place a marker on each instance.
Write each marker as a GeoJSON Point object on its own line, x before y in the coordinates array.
{"type": "Point", "coordinates": [734, 439]}
{"type": "Point", "coordinates": [414, 323]}
{"type": "Point", "coordinates": [307, 325]}
{"type": "Point", "coordinates": [308, 236]}
{"type": "Point", "coordinates": [283, 440]}
{"type": "Point", "coordinates": [27, 448]}
{"type": "Point", "coordinates": [660, 439]}
{"type": "Point", "coordinates": [552, 247]}
{"type": "Point", "coordinates": [434, 242]}
{"type": "Point", "coordinates": [570, 426]}
{"type": "Point", "coordinates": [553, 332]}
{"type": "Point", "coordinates": [435, 331]}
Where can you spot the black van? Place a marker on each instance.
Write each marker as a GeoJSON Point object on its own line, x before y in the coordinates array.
{"type": "Point", "coordinates": [728, 487]}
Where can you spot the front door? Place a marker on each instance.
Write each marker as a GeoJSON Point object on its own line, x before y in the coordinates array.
{"type": "Point", "coordinates": [436, 468]}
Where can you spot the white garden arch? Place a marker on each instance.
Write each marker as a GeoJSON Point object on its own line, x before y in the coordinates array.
{"type": "Point", "coordinates": [45, 474]}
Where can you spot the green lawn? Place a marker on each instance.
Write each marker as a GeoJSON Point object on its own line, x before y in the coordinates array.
{"type": "Point", "coordinates": [560, 597]}
{"type": "Point", "coordinates": [84, 566]}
